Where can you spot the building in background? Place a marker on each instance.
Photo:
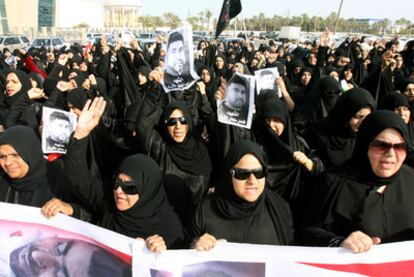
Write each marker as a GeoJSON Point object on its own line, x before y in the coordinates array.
{"type": "Point", "coordinates": [18, 15]}
{"type": "Point", "coordinates": [122, 13]}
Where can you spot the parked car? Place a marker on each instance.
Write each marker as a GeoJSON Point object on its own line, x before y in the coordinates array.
{"type": "Point", "coordinates": [13, 42]}
{"type": "Point", "coordinates": [48, 42]}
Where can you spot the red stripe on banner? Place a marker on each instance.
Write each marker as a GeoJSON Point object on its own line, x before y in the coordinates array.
{"type": "Point", "coordinates": [400, 268]}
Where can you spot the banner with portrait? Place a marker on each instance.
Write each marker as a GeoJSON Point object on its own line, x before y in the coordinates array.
{"type": "Point", "coordinates": [179, 73]}
{"type": "Point", "coordinates": [237, 106]}
{"type": "Point", "coordinates": [266, 80]}
{"type": "Point", "coordinates": [31, 245]}
{"type": "Point", "coordinates": [57, 127]}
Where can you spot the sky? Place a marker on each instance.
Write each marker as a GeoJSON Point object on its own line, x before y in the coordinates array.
{"type": "Point", "coordinates": [393, 10]}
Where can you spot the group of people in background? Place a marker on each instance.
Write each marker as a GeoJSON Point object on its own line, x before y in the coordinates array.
{"type": "Point", "coordinates": [327, 160]}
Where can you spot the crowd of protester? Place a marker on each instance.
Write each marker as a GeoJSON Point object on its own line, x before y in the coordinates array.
{"type": "Point", "coordinates": [326, 164]}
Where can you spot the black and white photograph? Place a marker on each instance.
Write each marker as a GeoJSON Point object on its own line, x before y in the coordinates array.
{"type": "Point", "coordinates": [225, 269]}
{"type": "Point", "coordinates": [57, 127]}
{"type": "Point", "coordinates": [266, 80]}
{"type": "Point", "coordinates": [179, 73]}
{"type": "Point", "coordinates": [237, 106]}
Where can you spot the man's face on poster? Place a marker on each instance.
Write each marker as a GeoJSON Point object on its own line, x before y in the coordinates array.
{"type": "Point", "coordinates": [60, 130]}
{"type": "Point", "coordinates": [268, 81]}
{"type": "Point", "coordinates": [236, 96]}
{"type": "Point", "coordinates": [176, 56]}
{"type": "Point", "coordinates": [53, 257]}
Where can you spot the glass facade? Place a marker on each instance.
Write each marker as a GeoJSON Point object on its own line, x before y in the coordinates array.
{"type": "Point", "coordinates": [3, 18]}
{"type": "Point", "coordinates": [46, 13]}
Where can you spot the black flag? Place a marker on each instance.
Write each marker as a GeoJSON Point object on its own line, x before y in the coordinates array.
{"type": "Point", "coordinates": [230, 9]}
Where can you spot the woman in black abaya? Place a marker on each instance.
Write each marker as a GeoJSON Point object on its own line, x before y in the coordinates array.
{"type": "Point", "coordinates": [367, 199]}
{"type": "Point", "coordinates": [291, 161]}
{"type": "Point", "coordinates": [242, 209]}
{"type": "Point", "coordinates": [333, 137]}
{"type": "Point", "coordinates": [138, 206]}
{"type": "Point", "coordinates": [318, 103]}
{"type": "Point", "coordinates": [25, 178]}
{"type": "Point", "coordinates": [179, 151]}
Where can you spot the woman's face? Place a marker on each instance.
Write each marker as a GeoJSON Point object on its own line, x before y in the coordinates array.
{"type": "Point", "coordinates": [276, 125]}
{"type": "Point", "coordinates": [409, 92]}
{"type": "Point", "coordinates": [74, 110]}
{"type": "Point", "coordinates": [179, 130]}
{"type": "Point", "coordinates": [124, 201]}
{"type": "Point", "coordinates": [404, 112]}
{"type": "Point", "coordinates": [357, 119]}
{"type": "Point", "coordinates": [219, 63]}
{"type": "Point", "coordinates": [387, 153]}
{"type": "Point", "coordinates": [251, 188]}
{"type": "Point", "coordinates": [205, 76]}
{"type": "Point", "coordinates": [305, 78]}
{"type": "Point", "coordinates": [142, 79]}
{"type": "Point", "coordinates": [11, 162]}
{"type": "Point", "coordinates": [13, 84]}
{"type": "Point", "coordinates": [348, 74]}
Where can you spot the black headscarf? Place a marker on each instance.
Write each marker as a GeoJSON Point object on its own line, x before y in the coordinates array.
{"type": "Point", "coordinates": [332, 137]}
{"type": "Point", "coordinates": [32, 189]}
{"type": "Point", "coordinates": [191, 155]}
{"type": "Point", "coordinates": [320, 101]}
{"type": "Point", "coordinates": [151, 214]}
{"type": "Point", "coordinates": [358, 167]}
{"type": "Point", "coordinates": [77, 98]}
{"type": "Point", "coordinates": [26, 86]}
{"type": "Point", "coordinates": [232, 206]}
{"type": "Point", "coordinates": [394, 100]}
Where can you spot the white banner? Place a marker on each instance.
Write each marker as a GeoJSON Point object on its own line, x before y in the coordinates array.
{"type": "Point", "coordinates": [30, 245]}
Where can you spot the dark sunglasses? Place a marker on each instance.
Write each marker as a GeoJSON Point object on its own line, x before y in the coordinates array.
{"type": "Point", "coordinates": [381, 147]}
{"type": "Point", "coordinates": [172, 121]}
{"type": "Point", "coordinates": [128, 187]}
{"type": "Point", "coordinates": [243, 174]}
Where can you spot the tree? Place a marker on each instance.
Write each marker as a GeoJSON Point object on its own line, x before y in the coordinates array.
{"type": "Point", "coordinates": [172, 20]}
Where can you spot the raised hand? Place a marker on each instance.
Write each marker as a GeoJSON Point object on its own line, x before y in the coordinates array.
{"type": "Point", "coordinates": [89, 117]}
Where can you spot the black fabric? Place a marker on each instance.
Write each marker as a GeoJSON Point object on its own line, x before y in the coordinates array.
{"type": "Point", "coordinates": [394, 100]}
{"type": "Point", "coordinates": [26, 86]}
{"type": "Point", "coordinates": [77, 97]}
{"type": "Point", "coordinates": [358, 166]}
{"type": "Point", "coordinates": [231, 208]}
{"type": "Point", "coordinates": [332, 137]}
{"type": "Point", "coordinates": [190, 155]}
{"type": "Point", "coordinates": [33, 189]}
{"type": "Point", "coordinates": [346, 198]}
{"type": "Point", "coordinates": [230, 9]}
{"type": "Point", "coordinates": [152, 214]}
{"type": "Point", "coordinates": [322, 99]}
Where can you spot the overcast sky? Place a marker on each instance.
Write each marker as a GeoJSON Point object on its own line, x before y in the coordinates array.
{"type": "Point", "coordinates": [393, 10]}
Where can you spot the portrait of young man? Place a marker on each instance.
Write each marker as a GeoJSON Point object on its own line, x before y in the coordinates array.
{"type": "Point", "coordinates": [178, 69]}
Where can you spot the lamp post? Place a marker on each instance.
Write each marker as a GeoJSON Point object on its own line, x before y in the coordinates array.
{"type": "Point", "coordinates": [337, 16]}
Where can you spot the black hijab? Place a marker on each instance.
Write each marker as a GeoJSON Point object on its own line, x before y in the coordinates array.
{"type": "Point", "coordinates": [332, 137]}
{"type": "Point", "coordinates": [358, 166]}
{"type": "Point", "coordinates": [77, 97]}
{"type": "Point", "coordinates": [233, 207]}
{"type": "Point", "coordinates": [26, 86]}
{"type": "Point", "coordinates": [191, 155]}
{"type": "Point", "coordinates": [32, 189]}
{"type": "Point", "coordinates": [320, 101]}
{"type": "Point", "coordinates": [151, 214]}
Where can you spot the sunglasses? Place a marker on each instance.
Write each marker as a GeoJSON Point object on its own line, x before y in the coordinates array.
{"type": "Point", "coordinates": [381, 147]}
{"type": "Point", "coordinates": [128, 187]}
{"type": "Point", "coordinates": [172, 121]}
{"type": "Point", "coordinates": [243, 174]}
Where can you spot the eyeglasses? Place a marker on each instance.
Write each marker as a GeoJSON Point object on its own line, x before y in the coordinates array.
{"type": "Point", "coordinates": [243, 174]}
{"type": "Point", "coordinates": [128, 187]}
{"type": "Point", "coordinates": [381, 147]}
{"type": "Point", "coordinates": [172, 121]}
{"type": "Point", "coordinates": [12, 155]}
